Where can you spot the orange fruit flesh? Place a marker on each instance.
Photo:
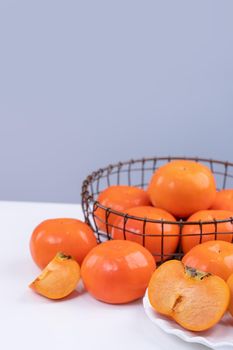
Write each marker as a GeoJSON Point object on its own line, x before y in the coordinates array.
{"type": "Point", "coordinates": [230, 284]}
{"type": "Point", "coordinates": [195, 300]}
{"type": "Point", "coordinates": [58, 279]}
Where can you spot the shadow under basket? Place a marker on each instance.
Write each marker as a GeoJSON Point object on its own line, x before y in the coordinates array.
{"type": "Point", "coordinates": [138, 173]}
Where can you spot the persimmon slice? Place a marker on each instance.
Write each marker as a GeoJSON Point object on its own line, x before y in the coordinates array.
{"type": "Point", "coordinates": [58, 279]}
{"type": "Point", "coordinates": [196, 300]}
{"type": "Point", "coordinates": [230, 284]}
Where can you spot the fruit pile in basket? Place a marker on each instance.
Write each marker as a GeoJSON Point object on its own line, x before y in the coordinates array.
{"type": "Point", "coordinates": [180, 209]}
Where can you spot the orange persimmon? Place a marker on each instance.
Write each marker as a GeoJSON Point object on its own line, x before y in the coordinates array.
{"type": "Point", "coordinates": [215, 257]}
{"type": "Point", "coordinates": [58, 279]}
{"type": "Point", "coordinates": [117, 271]}
{"type": "Point", "coordinates": [191, 234]}
{"type": "Point", "coordinates": [195, 300]}
{"type": "Point", "coordinates": [118, 198]}
{"type": "Point", "coordinates": [182, 187]}
{"type": "Point", "coordinates": [152, 238]}
{"type": "Point", "coordinates": [70, 236]}
{"type": "Point", "coordinates": [224, 200]}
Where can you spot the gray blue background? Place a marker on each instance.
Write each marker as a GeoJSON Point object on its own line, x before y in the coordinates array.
{"type": "Point", "coordinates": [87, 83]}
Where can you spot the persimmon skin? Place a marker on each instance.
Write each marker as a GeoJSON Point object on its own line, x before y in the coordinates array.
{"type": "Point", "coordinates": [224, 230]}
{"type": "Point", "coordinates": [195, 300]}
{"type": "Point", "coordinates": [118, 198]}
{"type": "Point", "coordinates": [182, 187]}
{"type": "Point", "coordinates": [215, 257]}
{"type": "Point", "coordinates": [117, 271]}
{"type": "Point", "coordinates": [135, 228]}
{"type": "Point", "coordinates": [58, 279]}
{"type": "Point", "coordinates": [224, 200]}
{"type": "Point", "coordinates": [71, 236]}
{"type": "Point", "coordinates": [230, 284]}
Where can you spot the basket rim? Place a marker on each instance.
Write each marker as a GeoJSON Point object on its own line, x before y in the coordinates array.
{"type": "Point", "coordinates": [87, 197]}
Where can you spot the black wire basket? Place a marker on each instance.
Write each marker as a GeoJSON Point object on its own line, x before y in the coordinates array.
{"type": "Point", "coordinates": [138, 173]}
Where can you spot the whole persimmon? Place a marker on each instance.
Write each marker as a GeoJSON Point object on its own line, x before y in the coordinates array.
{"type": "Point", "coordinates": [72, 237]}
{"type": "Point", "coordinates": [161, 239]}
{"type": "Point", "coordinates": [224, 200]}
{"type": "Point", "coordinates": [117, 271]}
{"type": "Point", "coordinates": [230, 284]}
{"type": "Point", "coordinates": [118, 198]}
{"type": "Point", "coordinates": [215, 257]}
{"type": "Point", "coordinates": [182, 187]}
{"type": "Point", "coordinates": [59, 278]}
{"type": "Point", "coordinates": [194, 299]}
{"type": "Point", "coordinates": [191, 233]}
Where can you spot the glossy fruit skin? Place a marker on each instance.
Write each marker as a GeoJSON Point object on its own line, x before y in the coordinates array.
{"type": "Point", "coordinates": [117, 271]}
{"type": "Point", "coordinates": [182, 187]}
{"type": "Point", "coordinates": [225, 229]}
{"type": "Point", "coordinates": [118, 198]}
{"type": "Point", "coordinates": [153, 231]}
{"type": "Point", "coordinates": [59, 278]}
{"type": "Point", "coordinates": [224, 200]}
{"type": "Point", "coordinates": [230, 284]}
{"type": "Point", "coordinates": [195, 300]}
{"type": "Point", "coordinates": [72, 237]}
{"type": "Point", "coordinates": [215, 257]}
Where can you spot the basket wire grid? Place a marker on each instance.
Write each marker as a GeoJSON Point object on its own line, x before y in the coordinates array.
{"type": "Point", "coordinates": [138, 173]}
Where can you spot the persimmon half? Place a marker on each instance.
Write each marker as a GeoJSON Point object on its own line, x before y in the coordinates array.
{"type": "Point", "coordinates": [195, 300]}
{"type": "Point", "coordinates": [117, 271]}
{"type": "Point", "coordinates": [118, 198]}
{"type": "Point", "coordinates": [193, 234]}
{"type": "Point", "coordinates": [182, 187]}
{"type": "Point", "coordinates": [148, 233]}
{"type": "Point", "coordinates": [215, 257]}
{"type": "Point", "coordinates": [58, 279]}
{"type": "Point", "coordinates": [70, 236]}
{"type": "Point", "coordinates": [223, 200]}
{"type": "Point", "coordinates": [230, 284]}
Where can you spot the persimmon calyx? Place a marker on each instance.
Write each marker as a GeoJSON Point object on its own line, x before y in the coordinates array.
{"type": "Point", "coordinates": [196, 274]}
{"type": "Point", "coordinates": [62, 256]}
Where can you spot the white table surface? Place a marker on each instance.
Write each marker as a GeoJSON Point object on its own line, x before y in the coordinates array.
{"type": "Point", "coordinates": [29, 321]}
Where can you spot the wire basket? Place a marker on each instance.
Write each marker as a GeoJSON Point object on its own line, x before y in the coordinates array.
{"type": "Point", "coordinates": [138, 173]}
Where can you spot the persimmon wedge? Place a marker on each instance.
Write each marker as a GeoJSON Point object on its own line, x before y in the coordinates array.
{"type": "Point", "coordinates": [195, 300]}
{"type": "Point", "coordinates": [59, 278]}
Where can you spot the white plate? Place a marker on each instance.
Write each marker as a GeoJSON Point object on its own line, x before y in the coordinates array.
{"type": "Point", "coordinates": [219, 337]}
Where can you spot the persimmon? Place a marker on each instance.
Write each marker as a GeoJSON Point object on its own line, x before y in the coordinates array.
{"type": "Point", "coordinates": [58, 279]}
{"type": "Point", "coordinates": [223, 200]}
{"type": "Point", "coordinates": [118, 198]}
{"type": "Point", "coordinates": [72, 237]}
{"type": "Point", "coordinates": [195, 300]}
{"type": "Point", "coordinates": [215, 257]}
{"type": "Point", "coordinates": [117, 271]}
{"type": "Point", "coordinates": [191, 234]}
{"type": "Point", "coordinates": [182, 187]}
{"type": "Point", "coordinates": [148, 233]}
{"type": "Point", "coordinates": [230, 284]}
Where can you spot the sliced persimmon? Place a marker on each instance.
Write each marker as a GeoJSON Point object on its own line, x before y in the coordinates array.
{"type": "Point", "coordinates": [59, 278]}
{"type": "Point", "coordinates": [196, 300]}
{"type": "Point", "coordinates": [230, 284]}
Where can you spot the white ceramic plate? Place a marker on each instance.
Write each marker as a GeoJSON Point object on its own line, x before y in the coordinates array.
{"type": "Point", "coordinates": [219, 337]}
